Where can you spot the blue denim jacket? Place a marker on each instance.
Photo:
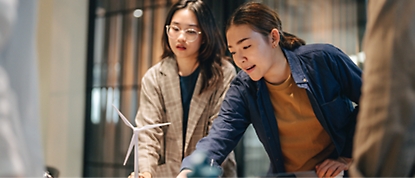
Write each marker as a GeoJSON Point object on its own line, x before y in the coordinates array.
{"type": "Point", "coordinates": [332, 82]}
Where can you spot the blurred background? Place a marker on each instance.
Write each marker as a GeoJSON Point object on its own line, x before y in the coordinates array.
{"type": "Point", "coordinates": [93, 53]}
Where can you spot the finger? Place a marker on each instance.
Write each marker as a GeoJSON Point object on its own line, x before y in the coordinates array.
{"type": "Point", "coordinates": [145, 175]}
{"type": "Point", "coordinates": [321, 171]}
{"type": "Point", "coordinates": [331, 168]}
{"type": "Point", "coordinates": [325, 168]}
{"type": "Point", "coordinates": [331, 172]}
{"type": "Point", "coordinates": [335, 173]}
{"type": "Point", "coordinates": [339, 170]}
{"type": "Point", "coordinates": [131, 175]}
{"type": "Point", "coordinates": [334, 169]}
{"type": "Point", "coordinates": [324, 163]}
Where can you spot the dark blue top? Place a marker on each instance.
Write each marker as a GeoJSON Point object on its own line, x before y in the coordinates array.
{"type": "Point", "coordinates": [187, 86]}
{"type": "Point", "coordinates": [332, 81]}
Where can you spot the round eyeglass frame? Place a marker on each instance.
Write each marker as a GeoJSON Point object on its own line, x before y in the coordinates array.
{"type": "Point", "coordinates": [182, 31]}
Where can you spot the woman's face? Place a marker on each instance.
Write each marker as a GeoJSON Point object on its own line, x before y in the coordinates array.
{"type": "Point", "coordinates": [183, 26]}
{"type": "Point", "coordinates": [251, 51]}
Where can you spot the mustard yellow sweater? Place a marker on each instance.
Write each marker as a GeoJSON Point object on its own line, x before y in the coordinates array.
{"type": "Point", "coordinates": [304, 142]}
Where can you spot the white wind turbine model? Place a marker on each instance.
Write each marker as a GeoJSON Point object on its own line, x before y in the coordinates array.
{"type": "Point", "coordinates": [134, 139]}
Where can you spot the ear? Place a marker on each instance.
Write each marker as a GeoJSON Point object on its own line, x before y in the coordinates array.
{"type": "Point", "coordinates": [275, 37]}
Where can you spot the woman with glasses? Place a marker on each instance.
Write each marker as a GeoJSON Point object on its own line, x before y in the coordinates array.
{"type": "Point", "coordinates": [185, 88]}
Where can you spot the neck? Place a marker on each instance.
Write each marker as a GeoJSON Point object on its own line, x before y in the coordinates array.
{"type": "Point", "coordinates": [280, 70]}
{"type": "Point", "coordinates": [187, 66]}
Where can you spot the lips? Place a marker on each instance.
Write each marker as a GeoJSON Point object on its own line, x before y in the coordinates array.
{"type": "Point", "coordinates": [250, 68]}
{"type": "Point", "coordinates": [181, 47]}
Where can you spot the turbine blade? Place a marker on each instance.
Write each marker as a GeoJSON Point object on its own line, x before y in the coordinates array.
{"type": "Point", "coordinates": [123, 118]}
{"type": "Point", "coordinates": [152, 126]}
{"type": "Point", "coordinates": [134, 139]}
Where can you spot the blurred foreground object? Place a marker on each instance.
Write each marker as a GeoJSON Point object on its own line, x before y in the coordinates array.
{"type": "Point", "coordinates": [21, 153]}
{"type": "Point", "coordinates": [203, 167]}
{"type": "Point", "coordinates": [385, 141]}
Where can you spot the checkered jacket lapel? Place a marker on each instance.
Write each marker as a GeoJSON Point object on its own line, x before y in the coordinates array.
{"type": "Point", "coordinates": [170, 86]}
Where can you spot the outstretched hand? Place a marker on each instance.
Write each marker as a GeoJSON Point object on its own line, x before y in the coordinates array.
{"type": "Point", "coordinates": [331, 167]}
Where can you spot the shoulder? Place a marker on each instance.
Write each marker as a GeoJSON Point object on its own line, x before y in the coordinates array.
{"type": "Point", "coordinates": [228, 68]}
{"type": "Point", "coordinates": [163, 67]}
{"type": "Point", "coordinates": [157, 71]}
{"type": "Point", "coordinates": [152, 71]}
{"type": "Point", "coordinates": [318, 48]}
{"type": "Point", "coordinates": [319, 51]}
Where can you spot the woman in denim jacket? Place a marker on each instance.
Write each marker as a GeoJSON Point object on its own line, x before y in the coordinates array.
{"type": "Point", "coordinates": [299, 98]}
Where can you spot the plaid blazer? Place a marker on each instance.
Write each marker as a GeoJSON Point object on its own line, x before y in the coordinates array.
{"type": "Point", "coordinates": [161, 149]}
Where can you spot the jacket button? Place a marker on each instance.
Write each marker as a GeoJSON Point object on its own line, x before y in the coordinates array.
{"type": "Point", "coordinates": [304, 80]}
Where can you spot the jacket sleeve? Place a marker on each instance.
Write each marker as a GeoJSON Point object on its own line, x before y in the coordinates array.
{"type": "Point", "coordinates": [227, 129]}
{"type": "Point", "coordinates": [349, 76]}
{"type": "Point", "coordinates": [150, 112]}
{"type": "Point", "coordinates": [228, 74]}
{"type": "Point", "coordinates": [229, 164]}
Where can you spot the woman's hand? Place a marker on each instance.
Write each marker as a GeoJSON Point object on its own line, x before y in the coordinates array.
{"type": "Point", "coordinates": [141, 175]}
{"type": "Point", "coordinates": [183, 173]}
{"type": "Point", "coordinates": [331, 168]}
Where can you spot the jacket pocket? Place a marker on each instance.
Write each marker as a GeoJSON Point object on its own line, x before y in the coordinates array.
{"type": "Point", "coordinates": [162, 151]}
{"type": "Point", "coordinates": [337, 112]}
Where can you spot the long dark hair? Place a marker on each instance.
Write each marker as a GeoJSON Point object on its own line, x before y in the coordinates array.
{"type": "Point", "coordinates": [212, 49]}
{"type": "Point", "coordinates": [263, 19]}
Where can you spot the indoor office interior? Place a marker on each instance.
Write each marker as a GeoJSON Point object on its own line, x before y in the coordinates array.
{"type": "Point", "coordinates": [93, 53]}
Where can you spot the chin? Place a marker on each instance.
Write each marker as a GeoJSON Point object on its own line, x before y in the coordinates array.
{"type": "Point", "coordinates": [255, 78]}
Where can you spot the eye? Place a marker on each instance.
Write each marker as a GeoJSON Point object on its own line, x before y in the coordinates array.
{"type": "Point", "coordinates": [232, 53]}
{"type": "Point", "coordinates": [175, 28]}
{"type": "Point", "coordinates": [191, 32]}
{"type": "Point", "coordinates": [246, 47]}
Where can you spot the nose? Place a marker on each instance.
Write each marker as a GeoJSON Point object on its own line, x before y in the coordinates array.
{"type": "Point", "coordinates": [181, 36]}
{"type": "Point", "coordinates": [243, 60]}
{"type": "Point", "coordinates": [239, 58]}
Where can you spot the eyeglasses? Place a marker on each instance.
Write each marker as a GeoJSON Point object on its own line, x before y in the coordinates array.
{"type": "Point", "coordinates": [174, 32]}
